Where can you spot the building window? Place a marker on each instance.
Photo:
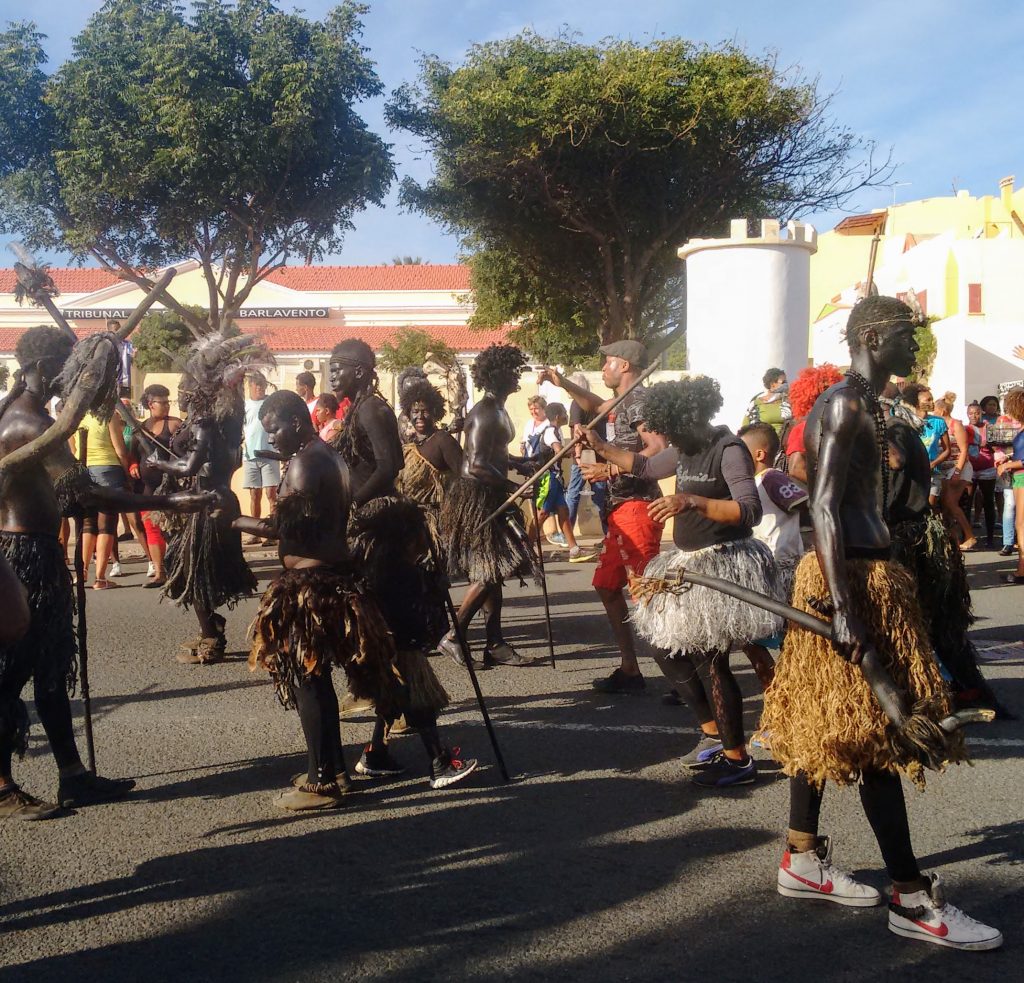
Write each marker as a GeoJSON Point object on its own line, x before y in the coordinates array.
{"type": "Point", "coordinates": [974, 298]}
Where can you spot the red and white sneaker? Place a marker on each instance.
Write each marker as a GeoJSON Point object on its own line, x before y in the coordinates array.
{"type": "Point", "coordinates": [811, 875]}
{"type": "Point", "coordinates": [926, 915]}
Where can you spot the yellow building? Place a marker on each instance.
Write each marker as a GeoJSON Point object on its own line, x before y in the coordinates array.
{"type": "Point", "coordinates": [961, 255]}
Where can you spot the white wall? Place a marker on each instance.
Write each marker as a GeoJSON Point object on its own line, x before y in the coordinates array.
{"type": "Point", "coordinates": [746, 312]}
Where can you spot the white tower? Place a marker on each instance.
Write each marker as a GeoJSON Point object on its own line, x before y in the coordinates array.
{"type": "Point", "coordinates": [747, 306]}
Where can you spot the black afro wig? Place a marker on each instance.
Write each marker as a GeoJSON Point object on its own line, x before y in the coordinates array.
{"type": "Point", "coordinates": [421, 391]}
{"type": "Point", "coordinates": [498, 367]}
{"type": "Point", "coordinates": [676, 409]}
{"type": "Point", "coordinates": [40, 343]}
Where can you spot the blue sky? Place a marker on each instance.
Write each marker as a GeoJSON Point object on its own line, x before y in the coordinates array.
{"type": "Point", "coordinates": [939, 81]}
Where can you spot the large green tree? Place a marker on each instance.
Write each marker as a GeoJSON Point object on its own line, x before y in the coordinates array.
{"type": "Point", "coordinates": [573, 172]}
{"type": "Point", "coordinates": [225, 132]}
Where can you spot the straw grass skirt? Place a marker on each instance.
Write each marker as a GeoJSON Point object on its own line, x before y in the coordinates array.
{"type": "Point", "coordinates": [820, 715]}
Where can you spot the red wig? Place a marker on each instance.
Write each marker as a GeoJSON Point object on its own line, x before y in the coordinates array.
{"type": "Point", "coordinates": [809, 385]}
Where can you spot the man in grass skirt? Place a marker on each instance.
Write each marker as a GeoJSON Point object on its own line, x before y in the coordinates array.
{"type": "Point", "coordinates": [487, 554]}
{"type": "Point", "coordinates": [824, 722]}
{"type": "Point", "coordinates": [317, 615]}
{"type": "Point", "coordinates": [397, 556]}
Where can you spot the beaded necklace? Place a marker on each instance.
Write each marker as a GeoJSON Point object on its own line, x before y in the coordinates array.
{"type": "Point", "coordinates": [881, 436]}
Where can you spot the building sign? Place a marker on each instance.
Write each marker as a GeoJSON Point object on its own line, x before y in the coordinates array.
{"type": "Point", "coordinates": [271, 312]}
{"type": "Point", "coordinates": [98, 313]}
{"type": "Point", "coordinates": [123, 313]}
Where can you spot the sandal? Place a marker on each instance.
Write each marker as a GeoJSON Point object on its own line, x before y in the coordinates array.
{"type": "Point", "coordinates": [104, 585]}
{"type": "Point", "coordinates": [309, 797]}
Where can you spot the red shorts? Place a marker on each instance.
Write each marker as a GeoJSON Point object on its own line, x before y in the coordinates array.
{"type": "Point", "coordinates": [633, 539]}
{"type": "Point", "coordinates": [154, 535]}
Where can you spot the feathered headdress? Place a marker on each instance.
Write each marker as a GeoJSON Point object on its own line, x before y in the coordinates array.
{"type": "Point", "coordinates": [216, 367]}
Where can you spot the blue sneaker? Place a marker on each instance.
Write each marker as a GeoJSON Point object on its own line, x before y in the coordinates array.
{"type": "Point", "coordinates": [703, 752]}
{"type": "Point", "coordinates": [557, 539]}
{"type": "Point", "coordinates": [723, 772]}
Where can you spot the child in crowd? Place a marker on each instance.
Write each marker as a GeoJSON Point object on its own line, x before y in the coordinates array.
{"type": "Point", "coordinates": [551, 498]}
{"type": "Point", "coordinates": [779, 528]}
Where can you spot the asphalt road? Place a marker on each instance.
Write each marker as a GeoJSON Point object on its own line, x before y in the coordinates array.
{"type": "Point", "coordinates": [600, 861]}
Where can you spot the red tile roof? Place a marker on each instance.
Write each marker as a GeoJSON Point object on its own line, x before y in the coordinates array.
{"type": "Point", "coordinates": [322, 338]}
{"type": "Point", "coordinates": [862, 225]}
{"type": "Point", "coordinates": [451, 276]}
{"type": "Point", "coordinates": [72, 280]}
{"type": "Point", "coordinates": [446, 276]}
{"type": "Point", "coordinates": [313, 338]}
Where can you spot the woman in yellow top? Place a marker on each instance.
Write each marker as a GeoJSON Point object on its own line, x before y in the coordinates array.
{"type": "Point", "coordinates": [107, 461]}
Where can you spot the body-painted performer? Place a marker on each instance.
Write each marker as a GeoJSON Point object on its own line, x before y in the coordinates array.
{"type": "Point", "coordinates": [922, 544]}
{"type": "Point", "coordinates": [716, 506]}
{"type": "Point", "coordinates": [317, 615]}
{"type": "Point", "coordinates": [206, 568]}
{"type": "Point", "coordinates": [633, 536]}
{"type": "Point", "coordinates": [33, 495]}
{"type": "Point", "coordinates": [433, 457]}
{"type": "Point", "coordinates": [488, 555]}
{"type": "Point", "coordinates": [411, 376]}
{"type": "Point", "coordinates": [393, 547]}
{"type": "Point", "coordinates": [824, 722]}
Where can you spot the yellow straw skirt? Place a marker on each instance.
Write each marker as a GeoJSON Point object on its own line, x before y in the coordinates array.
{"type": "Point", "coordinates": [820, 715]}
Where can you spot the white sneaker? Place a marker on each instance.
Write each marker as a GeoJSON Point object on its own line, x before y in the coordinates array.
{"type": "Point", "coordinates": [151, 570]}
{"type": "Point", "coordinates": [811, 875]}
{"type": "Point", "coordinates": [926, 915]}
{"type": "Point", "coordinates": [115, 569]}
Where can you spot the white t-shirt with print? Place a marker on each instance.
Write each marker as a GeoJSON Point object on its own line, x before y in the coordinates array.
{"type": "Point", "coordinates": [779, 528]}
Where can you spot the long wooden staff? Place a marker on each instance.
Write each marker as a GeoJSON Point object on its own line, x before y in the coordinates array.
{"type": "Point", "coordinates": [126, 329]}
{"type": "Point", "coordinates": [916, 733]}
{"type": "Point", "coordinates": [82, 625]}
{"type": "Point", "coordinates": [543, 580]}
{"type": "Point", "coordinates": [453, 616]}
{"type": "Point", "coordinates": [527, 485]}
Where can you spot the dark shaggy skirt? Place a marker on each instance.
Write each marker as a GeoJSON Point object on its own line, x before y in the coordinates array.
{"type": "Point", "coordinates": [497, 551]}
{"type": "Point", "coordinates": [820, 715]}
{"type": "Point", "coordinates": [205, 564]}
{"type": "Point", "coordinates": [937, 566]}
{"type": "Point", "coordinates": [312, 619]}
{"type": "Point", "coordinates": [47, 653]}
{"type": "Point", "coordinates": [397, 555]}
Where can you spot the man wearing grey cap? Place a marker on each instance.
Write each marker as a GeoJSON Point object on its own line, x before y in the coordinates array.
{"type": "Point", "coordinates": [633, 537]}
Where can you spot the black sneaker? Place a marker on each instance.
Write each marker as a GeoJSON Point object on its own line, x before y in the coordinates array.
{"type": "Point", "coordinates": [448, 768]}
{"type": "Point", "coordinates": [703, 753]}
{"type": "Point", "coordinates": [723, 772]}
{"type": "Point", "coordinates": [89, 790]}
{"type": "Point", "coordinates": [620, 682]}
{"type": "Point", "coordinates": [672, 699]}
{"type": "Point", "coordinates": [378, 764]}
{"type": "Point", "coordinates": [1008, 551]}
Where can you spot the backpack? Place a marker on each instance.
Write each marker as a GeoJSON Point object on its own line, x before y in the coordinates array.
{"type": "Point", "coordinates": [536, 449]}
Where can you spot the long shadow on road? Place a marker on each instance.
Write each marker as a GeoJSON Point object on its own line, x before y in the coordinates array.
{"type": "Point", "coordinates": [434, 890]}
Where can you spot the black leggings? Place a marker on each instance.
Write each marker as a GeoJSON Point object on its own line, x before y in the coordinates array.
{"type": "Point", "coordinates": [317, 704]}
{"type": "Point", "coordinates": [712, 693]}
{"type": "Point", "coordinates": [987, 489]}
{"type": "Point", "coordinates": [54, 710]}
{"type": "Point", "coordinates": [881, 797]}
